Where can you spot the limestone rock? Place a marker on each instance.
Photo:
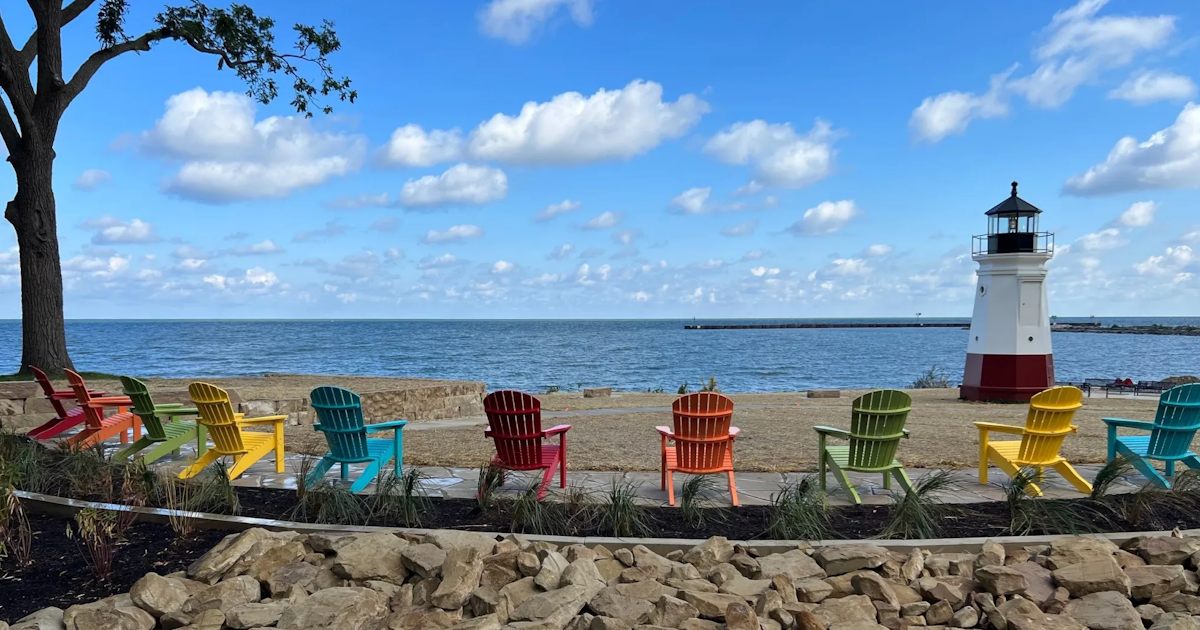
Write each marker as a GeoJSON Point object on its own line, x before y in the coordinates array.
{"type": "Point", "coordinates": [670, 612]}
{"type": "Point", "coordinates": [658, 567]}
{"type": "Point", "coordinates": [484, 622]}
{"type": "Point", "coordinates": [739, 616]}
{"type": "Point", "coordinates": [624, 556]}
{"type": "Point", "coordinates": [875, 587]}
{"type": "Point", "coordinates": [158, 595]}
{"type": "Point", "coordinates": [608, 623]}
{"type": "Point", "coordinates": [846, 609]}
{"type": "Point", "coordinates": [939, 613]}
{"type": "Point", "coordinates": [710, 605]}
{"type": "Point", "coordinates": [913, 566]}
{"type": "Point", "coordinates": [235, 553]}
{"type": "Point", "coordinates": [286, 578]}
{"type": "Point", "coordinates": [1149, 613]}
{"type": "Point", "coordinates": [1164, 550]}
{"type": "Point", "coordinates": [966, 617]}
{"type": "Point", "coordinates": [222, 596]}
{"type": "Point", "coordinates": [743, 587]}
{"type": "Point", "coordinates": [806, 620]}
{"type": "Point", "coordinates": [460, 575]}
{"type": "Point", "coordinates": [424, 559]}
{"type": "Point", "coordinates": [948, 564]}
{"type": "Point", "coordinates": [1069, 550]}
{"type": "Point", "coordinates": [990, 554]}
{"type": "Point", "coordinates": [935, 590]}
{"type": "Point", "coordinates": [709, 553]}
{"type": "Point", "coordinates": [1001, 580]}
{"type": "Point", "coordinates": [1104, 611]}
{"type": "Point", "coordinates": [577, 552]}
{"type": "Point", "coordinates": [497, 576]}
{"type": "Point", "coordinates": [795, 564]}
{"type": "Point", "coordinates": [583, 572]}
{"type": "Point", "coordinates": [255, 615]}
{"type": "Point", "coordinates": [1176, 621]}
{"type": "Point", "coordinates": [338, 608]}
{"type": "Point", "coordinates": [1039, 582]}
{"type": "Point", "coordinates": [915, 609]}
{"type": "Point", "coordinates": [50, 618]}
{"type": "Point", "coordinates": [609, 602]}
{"type": "Point", "coordinates": [699, 586]}
{"type": "Point", "coordinates": [556, 608]}
{"type": "Point", "coordinates": [449, 539]}
{"type": "Point", "coordinates": [131, 618]}
{"type": "Point", "coordinates": [550, 574]}
{"type": "Point", "coordinates": [839, 559]}
{"type": "Point", "coordinates": [1093, 576]}
{"type": "Point", "coordinates": [1150, 581]}
{"type": "Point", "coordinates": [274, 558]}
{"type": "Point", "coordinates": [812, 591]}
{"type": "Point", "coordinates": [1017, 606]}
{"type": "Point", "coordinates": [1178, 602]}
{"type": "Point", "coordinates": [609, 568]}
{"type": "Point", "coordinates": [420, 619]}
{"type": "Point", "coordinates": [373, 556]}
{"type": "Point", "coordinates": [1042, 621]}
{"type": "Point", "coordinates": [528, 564]}
{"type": "Point", "coordinates": [701, 624]}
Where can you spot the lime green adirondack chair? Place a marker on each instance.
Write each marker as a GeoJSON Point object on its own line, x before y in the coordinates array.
{"type": "Point", "coordinates": [876, 426]}
{"type": "Point", "coordinates": [169, 435]}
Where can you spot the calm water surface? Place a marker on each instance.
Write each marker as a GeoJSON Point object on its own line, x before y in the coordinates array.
{"type": "Point", "coordinates": [626, 354]}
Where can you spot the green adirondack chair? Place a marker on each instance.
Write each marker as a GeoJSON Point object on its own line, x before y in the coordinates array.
{"type": "Point", "coordinates": [1170, 440]}
{"type": "Point", "coordinates": [340, 418]}
{"type": "Point", "coordinates": [166, 437]}
{"type": "Point", "coordinates": [876, 426]}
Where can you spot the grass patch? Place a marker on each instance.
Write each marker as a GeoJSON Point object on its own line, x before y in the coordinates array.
{"type": "Point", "coordinates": [799, 512]}
{"type": "Point", "coordinates": [696, 502]}
{"type": "Point", "coordinates": [490, 478]}
{"type": "Point", "coordinates": [918, 513]}
{"type": "Point", "coordinates": [1028, 513]}
{"type": "Point", "coordinates": [400, 499]}
{"type": "Point", "coordinates": [529, 515]}
{"type": "Point", "coordinates": [217, 493]}
{"type": "Point", "coordinates": [620, 513]}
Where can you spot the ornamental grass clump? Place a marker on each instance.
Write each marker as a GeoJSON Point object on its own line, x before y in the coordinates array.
{"type": "Point", "coordinates": [918, 514]}
{"type": "Point", "coordinates": [696, 502]}
{"type": "Point", "coordinates": [217, 493]}
{"type": "Point", "coordinates": [400, 499]}
{"type": "Point", "coordinates": [490, 478]}
{"type": "Point", "coordinates": [98, 534]}
{"type": "Point", "coordinates": [620, 513]}
{"type": "Point", "coordinates": [180, 497]}
{"type": "Point", "coordinates": [16, 536]}
{"type": "Point", "coordinates": [1028, 514]}
{"type": "Point", "coordinates": [799, 512]}
{"type": "Point", "coordinates": [529, 515]}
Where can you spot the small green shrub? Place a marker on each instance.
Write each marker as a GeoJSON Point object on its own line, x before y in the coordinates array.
{"type": "Point", "coordinates": [620, 513]}
{"type": "Point", "coordinates": [529, 515]}
{"type": "Point", "coordinates": [918, 513]}
{"type": "Point", "coordinates": [490, 478]}
{"type": "Point", "coordinates": [16, 536]}
{"type": "Point", "coordinates": [696, 503]}
{"type": "Point", "coordinates": [98, 534]}
{"type": "Point", "coordinates": [799, 512]}
{"type": "Point", "coordinates": [217, 493]}
{"type": "Point", "coordinates": [933, 379]}
{"type": "Point", "coordinates": [400, 499]}
{"type": "Point", "coordinates": [683, 389]}
{"type": "Point", "coordinates": [1028, 513]}
{"type": "Point", "coordinates": [179, 496]}
{"type": "Point", "coordinates": [710, 386]}
{"type": "Point", "coordinates": [336, 505]}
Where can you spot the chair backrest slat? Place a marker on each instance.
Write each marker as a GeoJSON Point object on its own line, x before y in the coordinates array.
{"type": "Point", "coordinates": [48, 391]}
{"type": "Point", "coordinates": [217, 416]}
{"type": "Point", "coordinates": [876, 425]}
{"type": "Point", "coordinates": [1048, 422]}
{"type": "Point", "coordinates": [143, 406]}
{"type": "Point", "coordinates": [92, 415]}
{"type": "Point", "coordinates": [1176, 421]}
{"type": "Point", "coordinates": [702, 423]}
{"type": "Point", "coordinates": [339, 411]}
{"type": "Point", "coordinates": [515, 419]}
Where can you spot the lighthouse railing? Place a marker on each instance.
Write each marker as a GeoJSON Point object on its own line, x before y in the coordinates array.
{"type": "Point", "coordinates": [1013, 243]}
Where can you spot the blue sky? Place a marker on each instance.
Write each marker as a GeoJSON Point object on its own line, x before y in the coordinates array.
{"type": "Point", "coordinates": [604, 158]}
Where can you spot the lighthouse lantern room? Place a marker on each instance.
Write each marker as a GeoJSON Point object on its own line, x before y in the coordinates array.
{"type": "Point", "coordinates": [1008, 352]}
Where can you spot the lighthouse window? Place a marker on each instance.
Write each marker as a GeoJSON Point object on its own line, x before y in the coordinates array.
{"type": "Point", "coordinates": [1012, 224]}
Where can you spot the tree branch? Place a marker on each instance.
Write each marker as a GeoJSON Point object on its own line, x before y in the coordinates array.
{"type": "Point", "coordinates": [8, 130]}
{"type": "Point", "coordinates": [100, 57]}
{"type": "Point", "coordinates": [14, 80]}
{"type": "Point", "coordinates": [69, 13]}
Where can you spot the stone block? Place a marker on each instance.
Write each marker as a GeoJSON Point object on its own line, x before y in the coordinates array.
{"type": "Point", "coordinates": [824, 393]}
{"type": "Point", "coordinates": [597, 392]}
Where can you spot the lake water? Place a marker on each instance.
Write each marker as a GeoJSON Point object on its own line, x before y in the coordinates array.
{"type": "Point", "coordinates": [625, 354]}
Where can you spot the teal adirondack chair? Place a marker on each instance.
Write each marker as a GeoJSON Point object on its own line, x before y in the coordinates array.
{"type": "Point", "coordinates": [876, 426]}
{"type": "Point", "coordinates": [340, 418]}
{"type": "Point", "coordinates": [166, 437]}
{"type": "Point", "coordinates": [1170, 438]}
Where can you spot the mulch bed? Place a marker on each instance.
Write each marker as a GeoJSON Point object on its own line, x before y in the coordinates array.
{"type": "Point", "coordinates": [59, 575]}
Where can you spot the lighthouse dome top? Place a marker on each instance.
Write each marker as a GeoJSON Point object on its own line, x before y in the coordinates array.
{"type": "Point", "coordinates": [1014, 206]}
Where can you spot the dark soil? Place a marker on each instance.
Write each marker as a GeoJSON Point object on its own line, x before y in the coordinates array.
{"type": "Point", "coordinates": [59, 574]}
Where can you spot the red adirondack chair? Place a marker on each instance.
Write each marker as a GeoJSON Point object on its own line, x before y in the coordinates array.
{"type": "Point", "coordinates": [64, 420]}
{"type": "Point", "coordinates": [703, 440]}
{"type": "Point", "coordinates": [515, 423]}
{"type": "Point", "coordinates": [99, 428]}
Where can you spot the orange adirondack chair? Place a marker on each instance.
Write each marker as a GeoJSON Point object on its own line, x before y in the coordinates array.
{"type": "Point", "coordinates": [99, 428]}
{"type": "Point", "coordinates": [515, 424]}
{"type": "Point", "coordinates": [63, 420]}
{"type": "Point", "coordinates": [703, 440]}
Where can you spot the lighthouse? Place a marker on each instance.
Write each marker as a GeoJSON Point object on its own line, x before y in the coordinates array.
{"type": "Point", "coordinates": [1008, 352]}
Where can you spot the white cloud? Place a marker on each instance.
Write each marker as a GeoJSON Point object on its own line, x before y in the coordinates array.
{"type": "Point", "coordinates": [849, 267]}
{"type": "Point", "coordinates": [950, 112]}
{"type": "Point", "coordinates": [1078, 48]}
{"type": "Point", "coordinates": [1150, 86]}
{"type": "Point", "coordinates": [358, 202]}
{"type": "Point", "coordinates": [1140, 214]}
{"type": "Point", "coordinates": [780, 156]}
{"type": "Point", "coordinates": [754, 254]}
{"type": "Point", "coordinates": [692, 200]}
{"type": "Point", "coordinates": [626, 237]}
{"type": "Point", "coordinates": [561, 252]}
{"type": "Point", "coordinates": [760, 272]}
{"type": "Point", "coordinates": [255, 280]}
{"type": "Point", "coordinates": [453, 234]}
{"type": "Point", "coordinates": [460, 184]}
{"type": "Point", "coordinates": [574, 129]}
{"type": "Point", "coordinates": [439, 262]}
{"type": "Point", "coordinates": [331, 229]}
{"type": "Point", "coordinates": [826, 218]}
{"type": "Point", "coordinates": [261, 276]}
{"type": "Point", "coordinates": [102, 267]}
{"type": "Point", "coordinates": [92, 179]}
{"type": "Point", "coordinates": [109, 230]}
{"type": "Point", "coordinates": [751, 188]}
{"type": "Point", "coordinates": [266, 246]}
{"type": "Point", "coordinates": [502, 267]}
{"type": "Point", "coordinates": [190, 251]}
{"type": "Point", "coordinates": [410, 145]}
{"type": "Point", "coordinates": [517, 20]}
{"type": "Point", "coordinates": [393, 253]}
{"type": "Point", "coordinates": [741, 229]}
{"type": "Point", "coordinates": [545, 279]}
{"type": "Point", "coordinates": [1168, 159]}
{"type": "Point", "coordinates": [877, 250]}
{"type": "Point", "coordinates": [227, 156]}
{"type": "Point", "coordinates": [1191, 237]}
{"type": "Point", "coordinates": [603, 221]}
{"type": "Point", "coordinates": [192, 265]}
{"type": "Point", "coordinates": [347, 298]}
{"type": "Point", "coordinates": [1108, 238]}
{"type": "Point", "coordinates": [640, 296]}
{"type": "Point", "coordinates": [1171, 262]}
{"type": "Point", "coordinates": [555, 209]}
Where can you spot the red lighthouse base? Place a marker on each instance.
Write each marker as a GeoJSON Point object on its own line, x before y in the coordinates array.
{"type": "Point", "coordinates": [1006, 377]}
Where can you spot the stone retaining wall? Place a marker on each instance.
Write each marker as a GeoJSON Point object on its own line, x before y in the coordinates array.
{"type": "Point", "coordinates": [23, 407]}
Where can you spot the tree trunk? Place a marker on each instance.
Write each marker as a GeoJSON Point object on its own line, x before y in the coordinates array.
{"type": "Point", "coordinates": [32, 214]}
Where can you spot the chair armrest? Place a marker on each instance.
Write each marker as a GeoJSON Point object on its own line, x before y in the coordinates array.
{"type": "Point", "coordinates": [1129, 424]}
{"type": "Point", "coordinates": [666, 432]}
{"type": "Point", "coordinates": [177, 411]}
{"type": "Point", "coordinates": [167, 405]}
{"type": "Point", "coordinates": [839, 433]}
{"type": "Point", "coordinates": [262, 419]}
{"type": "Point", "coordinates": [905, 432]}
{"type": "Point", "coordinates": [386, 426]}
{"type": "Point", "coordinates": [1074, 428]}
{"type": "Point", "coordinates": [110, 401]}
{"type": "Point", "coordinates": [999, 428]}
{"type": "Point", "coordinates": [487, 431]}
{"type": "Point", "coordinates": [562, 428]}
{"type": "Point", "coordinates": [734, 432]}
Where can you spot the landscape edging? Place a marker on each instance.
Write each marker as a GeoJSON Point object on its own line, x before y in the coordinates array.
{"type": "Point", "coordinates": [67, 508]}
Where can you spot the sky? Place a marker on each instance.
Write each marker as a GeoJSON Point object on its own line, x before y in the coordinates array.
{"type": "Point", "coordinates": [618, 159]}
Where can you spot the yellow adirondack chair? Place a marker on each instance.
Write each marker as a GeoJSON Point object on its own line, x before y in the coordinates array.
{"type": "Point", "coordinates": [1048, 422]}
{"type": "Point", "coordinates": [225, 427]}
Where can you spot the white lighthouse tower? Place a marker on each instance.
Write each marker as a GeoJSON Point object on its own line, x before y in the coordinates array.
{"type": "Point", "coordinates": [1008, 353]}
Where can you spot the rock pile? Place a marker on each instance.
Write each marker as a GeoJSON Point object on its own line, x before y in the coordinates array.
{"type": "Point", "coordinates": [451, 580]}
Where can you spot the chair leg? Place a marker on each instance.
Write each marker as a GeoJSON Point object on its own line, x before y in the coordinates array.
{"type": "Point", "coordinates": [1191, 461]}
{"type": "Point", "coordinates": [670, 487]}
{"type": "Point", "coordinates": [280, 455]}
{"type": "Point", "coordinates": [170, 446]}
{"type": "Point", "coordinates": [733, 488]}
{"type": "Point", "coordinates": [133, 448]}
{"type": "Point", "coordinates": [345, 471]}
{"type": "Point", "coordinates": [902, 477]}
{"type": "Point", "coordinates": [200, 464]}
{"type": "Point", "coordinates": [366, 477]}
{"type": "Point", "coordinates": [1170, 465]}
{"type": "Point", "coordinates": [1012, 471]}
{"type": "Point", "coordinates": [887, 481]}
{"type": "Point", "coordinates": [562, 461]}
{"type": "Point", "coordinates": [1068, 471]}
{"type": "Point", "coordinates": [821, 471]}
{"type": "Point", "coordinates": [1146, 469]}
{"type": "Point", "coordinates": [845, 482]}
{"type": "Point", "coordinates": [318, 472]}
{"type": "Point", "coordinates": [249, 459]}
{"type": "Point", "coordinates": [547, 477]}
{"type": "Point", "coordinates": [983, 458]}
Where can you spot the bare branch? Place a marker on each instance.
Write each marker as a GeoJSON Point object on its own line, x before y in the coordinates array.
{"type": "Point", "coordinates": [100, 57]}
{"type": "Point", "coordinates": [14, 79]}
{"type": "Point", "coordinates": [8, 130]}
{"type": "Point", "coordinates": [69, 13]}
